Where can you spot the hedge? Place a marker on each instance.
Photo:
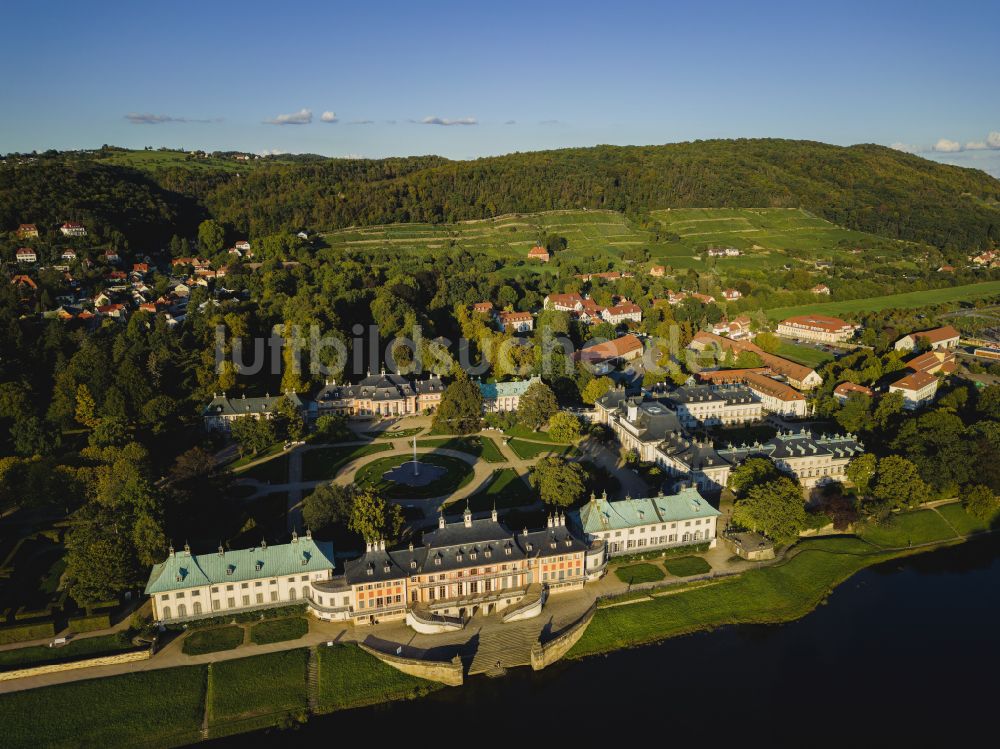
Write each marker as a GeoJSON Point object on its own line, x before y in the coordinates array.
{"type": "Point", "coordinates": [24, 614]}
{"type": "Point", "coordinates": [22, 632]}
{"type": "Point", "coordinates": [89, 622]}
{"type": "Point", "coordinates": [243, 617]}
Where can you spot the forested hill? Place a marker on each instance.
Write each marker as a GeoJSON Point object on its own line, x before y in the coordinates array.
{"type": "Point", "coordinates": [865, 187]}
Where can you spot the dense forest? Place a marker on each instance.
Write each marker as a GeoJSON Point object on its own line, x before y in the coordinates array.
{"type": "Point", "coordinates": [864, 187]}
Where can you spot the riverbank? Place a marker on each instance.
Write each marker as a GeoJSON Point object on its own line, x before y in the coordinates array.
{"type": "Point", "coordinates": [174, 706]}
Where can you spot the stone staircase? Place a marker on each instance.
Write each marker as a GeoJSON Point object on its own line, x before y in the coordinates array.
{"type": "Point", "coordinates": [312, 679]}
{"type": "Point", "coordinates": [509, 645]}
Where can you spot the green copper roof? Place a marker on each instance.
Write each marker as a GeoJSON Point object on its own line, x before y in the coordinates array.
{"type": "Point", "coordinates": [494, 390]}
{"type": "Point", "coordinates": [183, 570]}
{"type": "Point", "coordinates": [601, 514]}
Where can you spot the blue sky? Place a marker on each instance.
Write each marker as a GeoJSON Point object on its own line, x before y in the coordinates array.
{"type": "Point", "coordinates": [530, 76]}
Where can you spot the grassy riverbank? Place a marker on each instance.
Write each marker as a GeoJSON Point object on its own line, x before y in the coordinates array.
{"type": "Point", "coordinates": [778, 593]}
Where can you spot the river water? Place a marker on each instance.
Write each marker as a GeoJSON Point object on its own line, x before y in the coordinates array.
{"type": "Point", "coordinates": [904, 651]}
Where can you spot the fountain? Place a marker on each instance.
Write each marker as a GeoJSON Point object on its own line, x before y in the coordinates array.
{"type": "Point", "coordinates": [415, 473]}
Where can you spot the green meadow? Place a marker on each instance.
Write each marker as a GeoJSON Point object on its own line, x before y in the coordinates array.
{"type": "Point", "coordinates": [908, 300]}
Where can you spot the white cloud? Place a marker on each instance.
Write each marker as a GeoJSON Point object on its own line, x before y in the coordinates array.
{"type": "Point", "coordinates": [145, 118]}
{"type": "Point", "coordinates": [361, 122]}
{"type": "Point", "coordinates": [947, 146]}
{"type": "Point", "coordinates": [976, 145]}
{"type": "Point", "coordinates": [905, 147]}
{"type": "Point", "coordinates": [444, 121]}
{"type": "Point", "coordinates": [328, 117]}
{"type": "Point", "coordinates": [993, 140]}
{"type": "Point", "coordinates": [302, 117]}
{"type": "Point", "coordinates": [273, 152]}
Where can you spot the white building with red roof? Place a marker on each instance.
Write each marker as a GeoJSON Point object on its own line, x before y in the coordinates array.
{"type": "Point", "coordinates": [73, 229]}
{"type": "Point", "coordinates": [538, 253]}
{"type": "Point", "coordinates": [937, 338]}
{"type": "Point", "coordinates": [817, 328]}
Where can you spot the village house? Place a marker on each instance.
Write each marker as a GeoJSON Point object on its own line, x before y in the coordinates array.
{"type": "Point", "coordinates": [843, 391]}
{"type": "Point", "coordinates": [820, 328]}
{"type": "Point", "coordinates": [820, 288]}
{"type": "Point", "coordinates": [243, 246]}
{"type": "Point", "coordinates": [73, 229]}
{"type": "Point", "coordinates": [604, 356]}
{"type": "Point", "coordinates": [917, 388]}
{"type": "Point", "coordinates": [222, 411]}
{"type": "Point", "coordinates": [632, 526]}
{"type": "Point", "coordinates": [945, 337]}
{"type": "Point", "coordinates": [27, 231]}
{"type": "Point", "coordinates": [731, 295]}
{"type": "Point", "coordinates": [69, 254]}
{"type": "Point", "coordinates": [26, 255]}
{"type": "Point", "coordinates": [737, 329]}
{"type": "Point", "coordinates": [538, 253]}
{"type": "Point", "coordinates": [516, 322]}
{"type": "Point", "coordinates": [572, 302]}
{"type": "Point", "coordinates": [504, 396]}
{"type": "Point", "coordinates": [624, 311]}
{"type": "Point", "coordinates": [484, 308]}
{"type": "Point", "coordinates": [657, 271]}
{"type": "Point", "coordinates": [723, 252]}
{"type": "Point", "coordinates": [381, 395]}
{"type": "Point", "coordinates": [187, 586]}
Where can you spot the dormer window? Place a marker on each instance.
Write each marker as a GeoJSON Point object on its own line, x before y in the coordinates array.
{"type": "Point", "coordinates": [473, 556]}
{"type": "Point", "coordinates": [413, 564]}
{"type": "Point", "coordinates": [370, 571]}
{"type": "Point", "coordinates": [507, 551]}
{"type": "Point", "coordinates": [488, 553]}
{"type": "Point", "coordinates": [259, 566]}
{"type": "Point", "coordinates": [230, 569]}
{"type": "Point", "coordinates": [458, 557]}
{"type": "Point", "coordinates": [437, 561]}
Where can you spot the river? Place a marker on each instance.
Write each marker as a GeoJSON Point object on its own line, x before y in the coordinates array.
{"type": "Point", "coordinates": [903, 651]}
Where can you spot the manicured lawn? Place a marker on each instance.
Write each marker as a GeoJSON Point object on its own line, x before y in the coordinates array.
{"type": "Point", "coordinates": [146, 708]}
{"type": "Point", "coordinates": [908, 528]}
{"type": "Point", "coordinates": [276, 449]}
{"type": "Point", "coordinates": [349, 677]}
{"type": "Point", "coordinates": [506, 489]}
{"type": "Point", "coordinates": [522, 431]}
{"type": "Point", "coordinates": [481, 447]}
{"type": "Point", "coordinates": [82, 647]}
{"type": "Point", "coordinates": [528, 450]}
{"type": "Point", "coordinates": [811, 357]}
{"type": "Point", "coordinates": [274, 471]}
{"type": "Point", "coordinates": [259, 686]}
{"type": "Point", "coordinates": [907, 300]}
{"type": "Point", "coordinates": [201, 641]}
{"type": "Point", "coordinates": [770, 594]}
{"type": "Point", "coordinates": [279, 630]}
{"type": "Point", "coordinates": [962, 521]}
{"type": "Point", "coordinates": [325, 462]}
{"type": "Point", "coordinates": [639, 573]}
{"type": "Point", "coordinates": [457, 474]}
{"type": "Point", "coordinates": [687, 566]}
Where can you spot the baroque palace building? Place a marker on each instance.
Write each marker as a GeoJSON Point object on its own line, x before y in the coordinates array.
{"type": "Point", "coordinates": [464, 568]}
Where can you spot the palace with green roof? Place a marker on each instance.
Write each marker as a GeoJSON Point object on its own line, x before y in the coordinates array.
{"type": "Point", "coordinates": [187, 586]}
{"type": "Point", "coordinates": [631, 526]}
{"type": "Point", "coordinates": [504, 396]}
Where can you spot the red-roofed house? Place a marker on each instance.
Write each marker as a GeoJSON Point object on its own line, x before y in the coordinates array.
{"type": "Point", "coordinates": [516, 322]}
{"type": "Point", "coordinates": [485, 308]}
{"type": "Point", "coordinates": [69, 254]}
{"type": "Point", "coordinates": [602, 356]}
{"type": "Point", "coordinates": [622, 312]}
{"type": "Point", "coordinates": [27, 231]}
{"type": "Point", "coordinates": [116, 311]}
{"type": "Point", "coordinates": [111, 256]}
{"type": "Point", "coordinates": [843, 391]}
{"type": "Point", "coordinates": [26, 255]}
{"type": "Point", "coordinates": [918, 389]}
{"type": "Point", "coordinates": [816, 328]}
{"type": "Point", "coordinates": [731, 295]}
{"type": "Point", "coordinates": [142, 268]}
{"type": "Point", "coordinates": [820, 288]}
{"type": "Point", "coordinates": [938, 338]}
{"type": "Point", "coordinates": [538, 253]}
{"type": "Point", "coordinates": [73, 229]}
{"type": "Point", "coordinates": [657, 271]}
{"type": "Point", "coordinates": [563, 302]}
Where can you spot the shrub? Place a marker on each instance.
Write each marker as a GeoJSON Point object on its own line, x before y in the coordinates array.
{"type": "Point", "coordinates": [22, 632]}
{"type": "Point", "coordinates": [89, 622]}
{"type": "Point", "coordinates": [279, 630]}
{"type": "Point", "coordinates": [203, 641]}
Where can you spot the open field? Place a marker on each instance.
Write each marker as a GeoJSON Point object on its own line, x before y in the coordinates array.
{"type": "Point", "coordinates": [909, 300]}
{"type": "Point", "coordinates": [962, 521]}
{"type": "Point", "coordinates": [162, 707]}
{"type": "Point", "coordinates": [811, 357]}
